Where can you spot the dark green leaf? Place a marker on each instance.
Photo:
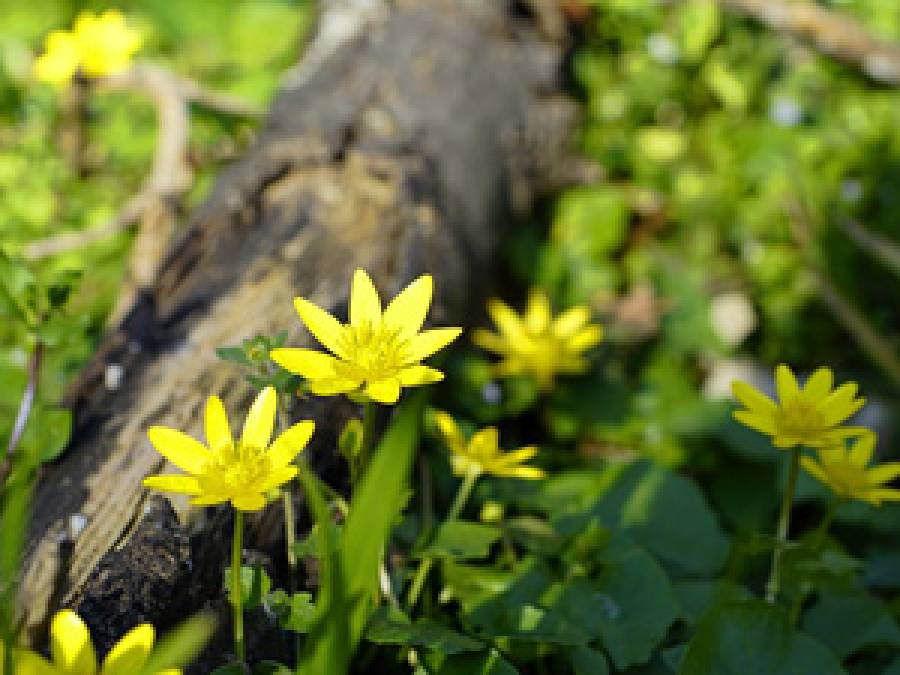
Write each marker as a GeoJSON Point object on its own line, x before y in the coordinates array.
{"type": "Point", "coordinates": [586, 661]}
{"type": "Point", "coordinates": [393, 630]}
{"type": "Point", "coordinates": [850, 622]}
{"type": "Point", "coordinates": [750, 638]}
{"type": "Point", "coordinates": [462, 540]}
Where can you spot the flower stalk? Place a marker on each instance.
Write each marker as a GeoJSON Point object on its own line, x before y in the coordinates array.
{"type": "Point", "coordinates": [773, 585]}
{"type": "Point", "coordinates": [462, 496]}
{"type": "Point", "coordinates": [237, 546]}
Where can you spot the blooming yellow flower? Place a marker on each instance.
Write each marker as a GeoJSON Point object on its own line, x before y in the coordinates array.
{"type": "Point", "coordinates": [482, 453]}
{"type": "Point", "coordinates": [97, 45]}
{"type": "Point", "coordinates": [242, 471]}
{"type": "Point", "coordinates": [60, 59]}
{"type": "Point", "coordinates": [377, 353]}
{"type": "Point", "coordinates": [106, 42]}
{"type": "Point", "coordinates": [846, 471]}
{"type": "Point", "coordinates": [809, 416]}
{"type": "Point", "coordinates": [72, 652]}
{"type": "Point", "coordinates": [537, 343]}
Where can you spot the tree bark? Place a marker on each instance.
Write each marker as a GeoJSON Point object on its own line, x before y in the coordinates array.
{"type": "Point", "coordinates": [402, 143]}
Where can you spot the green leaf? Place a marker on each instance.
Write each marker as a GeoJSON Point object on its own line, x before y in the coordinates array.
{"type": "Point", "coordinates": [233, 354]}
{"type": "Point", "coordinates": [750, 638]}
{"type": "Point", "coordinates": [851, 622]}
{"type": "Point", "coordinates": [586, 661]}
{"type": "Point", "coordinates": [255, 585]}
{"type": "Point", "coordinates": [46, 436]}
{"type": "Point", "coordinates": [179, 647]}
{"type": "Point", "coordinates": [698, 596]}
{"type": "Point", "coordinates": [271, 668]}
{"type": "Point", "coordinates": [462, 540]}
{"type": "Point", "coordinates": [388, 629]}
{"type": "Point", "coordinates": [487, 663]}
{"type": "Point", "coordinates": [294, 612]}
{"type": "Point", "coordinates": [629, 607]}
{"type": "Point", "coordinates": [375, 507]}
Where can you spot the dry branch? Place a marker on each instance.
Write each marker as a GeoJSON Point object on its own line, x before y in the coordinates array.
{"type": "Point", "coordinates": [834, 33]}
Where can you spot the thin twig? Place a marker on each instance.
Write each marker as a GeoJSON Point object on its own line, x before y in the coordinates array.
{"type": "Point", "coordinates": [170, 176]}
{"type": "Point", "coordinates": [834, 33]}
{"type": "Point", "coordinates": [26, 405]}
{"type": "Point", "coordinates": [875, 245]}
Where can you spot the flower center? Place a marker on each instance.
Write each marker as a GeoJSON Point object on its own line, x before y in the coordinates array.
{"type": "Point", "coordinates": [372, 352]}
{"type": "Point", "coordinates": [799, 416]}
{"type": "Point", "coordinates": [234, 468]}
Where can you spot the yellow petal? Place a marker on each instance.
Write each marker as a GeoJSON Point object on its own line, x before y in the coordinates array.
{"type": "Point", "coordinates": [567, 323]}
{"type": "Point", "coordinates": [187, 485]}
{"type": "Point", "coordinates": [130, 653]}
{"type": "Point", "coordinates": [884, 473]}
{"type": "Point", "coordinates": [517, 456]}
{"type": "Point", "coordinates": [785, 383]}
{"type": "Point", "coordinates": [384, 391]}
{"type": "Point", "coordinates": [490, 341]}
{"type": "Point", "coordinates": [335, 385]}
{"type": "Point", "coordinates": [324, 327]}
{"type": "Point", "coordinates": [813, 468]}
{"type": "Point", "coordinates": [484, 443]}
{"type": "Point", "coordinates": [526, 472]}
{"type": "Point", "coordinates": [819, 384]}
{"type": "Point", "coordinates": [587, 337]}
{"type": "Point", "coordinates": [883, 494]}
{"type": "Point", "coordinates": [208, 499]}
{"type": "Point", "coordinates": [428, 342]}
{"type": "Point", "coordinates": [291, 443]}
{"type": "Point", "coordinates": [406, 313]}
{"type": "Point", "coordinates": [414, 376]}
{"type": "Point", "coordinates": [365, 305]}
{"type": "Point", "coordinates": [277, 477]}
{"type": "Point", "coordinates": [447, 426]}
{"type": "Point", "coordinates": [260, 420]}
{"type": "Point", "coordinates": [765, 424]}
{"type": "Point", "coordinates": [218, 430]}
{"type": "Point", "coordinates": [537, 315]}
{"type": "Point", "coordinates": [752, 398]}
{"type": "Point", "coordinates": [26, 662]}
{"type": "Point", "coordinates": [183, 451]}
{"type": "Point", "coordinates": [506, 319]}
{"type": "Point", "coordinates": [248, 502]}
{"type": "Point", "coordinates": [70, 645]}
{"type": "Point", "coordinates": [841, 404]}
{"type": "Point", "coordinates": [308, 363]}
{"type": "Point", "coordinates": [862, 451]}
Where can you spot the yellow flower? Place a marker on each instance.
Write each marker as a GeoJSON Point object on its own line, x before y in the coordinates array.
{"type": "Point", "coordinates": [809, 416]}
{"type": "Point", "coordinates": [845, 470]}
{"type": "Point", "coordinates": [482, 453]}
{"type": "Point", "coordinates": [72, 652]}
{"type": "Point", "coordinates": [242, 471]}
{"type": "Point", "coordinates": [377, 353]}
{"type": "Point", "coordinates": [97, 45]}
{"type": "Point", "coordinates": [538, 344]}
{"type": "Point", "coordinates": [60, 59]}
{"type": "Point", "coordinates": [106, 43]}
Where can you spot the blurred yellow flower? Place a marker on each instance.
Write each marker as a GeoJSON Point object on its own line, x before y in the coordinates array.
{"type": "Point", "coordinates": [539, 344]}
{"type": "Point", "coordinates": [60, 59]}
{"type": "Point", "coordinates": [846, 471]}
{"type": "Point", "coordinates": [377, 353]}
{"type": "Point", "coordinates": [72, 652]}
{"type": "Point", "coordinates": [97, 45]}
{"type": "Point", "coordinates": [482, 453]}
{"type": "Point", "coordinates": [809, 416]}
{"type": "Point", "coordinates": [106, 42]}
{"type": "Point", "coordinates": [224, 470]}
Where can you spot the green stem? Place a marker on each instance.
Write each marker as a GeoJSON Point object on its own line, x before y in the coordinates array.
{"type": "Point", "coordinates": [287, 502]}
{"type": "Point", "coordinates": [818, 541]}
{"type": "Point", "coordinates": [425, 565]}
{"type": "Point", "coordinates": [368, 442]}
{"type": "Point", "coordinates": [773, 585]}
{"type": "Point", "coordinates": [237, 546]}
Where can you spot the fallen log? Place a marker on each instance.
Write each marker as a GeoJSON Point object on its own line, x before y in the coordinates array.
{"type": "Point", "coordinates": [402, 143]}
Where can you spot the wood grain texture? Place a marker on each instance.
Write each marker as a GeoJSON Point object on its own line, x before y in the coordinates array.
{"type": "Point", "coordinates": [400, 144]}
